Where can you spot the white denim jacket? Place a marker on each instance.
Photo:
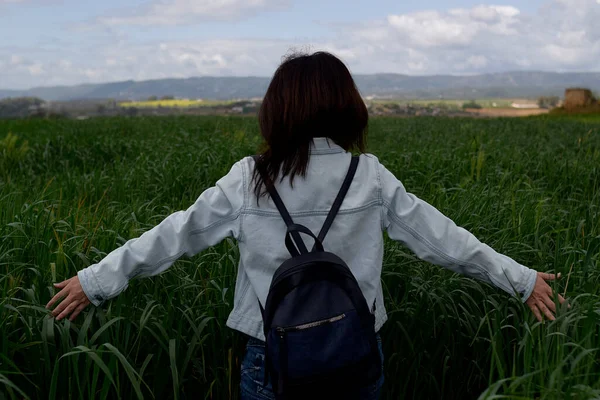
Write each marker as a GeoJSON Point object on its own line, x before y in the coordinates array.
{"type": "Point", "coordinates": [376, 202]}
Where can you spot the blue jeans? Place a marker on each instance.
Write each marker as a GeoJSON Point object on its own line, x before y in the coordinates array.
{"type": "Point", "coordinates": [253, 375]}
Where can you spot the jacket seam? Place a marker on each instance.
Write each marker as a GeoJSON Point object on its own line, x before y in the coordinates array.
{"type": "Point", "coordinates": [243, 293]}
{"type": "Point", "coordinates": [216, 223]}
{"type": "Point", "coordinates": [244, 202]}
{"type": "Point", "coordinates": [165, 260]}
{"type": "Point", "coordinates": [85, 283]}
{"type": "Point", "coordinates": [102, 293]}
{"type": "Point", "coordinates": [380, 196]}
{"type": "Point", "coordinates": [314, 213]}
{"type": "Point", "coordinates": [239, 316]}
{"type": "Point", "coordinates": [325, 152]}
{"type": "Point", "coordinates": [528, 287]}
{"type": "Point", "coordinates": [441, 253]}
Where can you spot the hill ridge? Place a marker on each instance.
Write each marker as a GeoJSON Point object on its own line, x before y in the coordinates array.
{"type": "Point", "coordinates": [498, 84]}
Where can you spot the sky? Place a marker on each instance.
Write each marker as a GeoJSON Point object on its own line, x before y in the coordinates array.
{"type": "Point", "coordinates": [65, 42]}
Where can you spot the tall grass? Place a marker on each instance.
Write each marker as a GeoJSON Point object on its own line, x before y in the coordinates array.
{"type": "Point", "coordinates": [530, 188]}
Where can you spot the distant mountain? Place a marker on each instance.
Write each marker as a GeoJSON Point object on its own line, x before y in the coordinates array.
{"type": "Point", "coordinates": [509, 84]}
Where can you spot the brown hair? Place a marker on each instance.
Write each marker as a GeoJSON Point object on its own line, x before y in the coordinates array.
{"type": "Point", "coordinates": [309, 96]}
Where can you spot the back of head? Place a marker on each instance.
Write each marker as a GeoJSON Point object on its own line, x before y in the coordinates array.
{"type": "Point", "coordinates": [309, 96]}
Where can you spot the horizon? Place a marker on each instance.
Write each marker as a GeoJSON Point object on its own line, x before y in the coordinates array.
{"type": "Point", "coordinates": [269, 77]}
{"type": "Point", "coordinates": [68, 43]}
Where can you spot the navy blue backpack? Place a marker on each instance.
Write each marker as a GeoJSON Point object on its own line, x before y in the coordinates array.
{"type": "Point", "coordinates": [319, 330]}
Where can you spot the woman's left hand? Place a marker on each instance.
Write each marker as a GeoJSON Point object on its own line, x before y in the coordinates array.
{"type": "Point", "coordinates": [74, 299]}
{"type": "Point", "coordinates": [540, 301]}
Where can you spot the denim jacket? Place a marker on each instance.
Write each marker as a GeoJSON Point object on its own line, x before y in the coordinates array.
{"type": "Point", "coordinates": [376, 202]}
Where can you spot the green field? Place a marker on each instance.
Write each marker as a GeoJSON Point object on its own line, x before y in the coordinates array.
{"type": "Point", "coordinates": [530, 188]}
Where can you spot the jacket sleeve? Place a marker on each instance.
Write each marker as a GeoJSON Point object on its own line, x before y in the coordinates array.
{"type": "Point", "coordinates": [435, 238]}
{"type": "Point", "coordinates": [214, 216]}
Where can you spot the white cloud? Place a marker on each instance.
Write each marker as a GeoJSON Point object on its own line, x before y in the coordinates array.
{"type": "Point", "coordinates": [458, 41]}
{"type": "Point", "coordinates": [36, 69]}
{"type": "Point", "coordinates": [172, 12]}
{"type": "Point", "coordinates": [36, 2]}
{"type": "Point", "coordinates": [15, 59]}
{"type": "Point", "coordinates": [430, 29]}
{"type": "Point", "coordinates": [494, 13]}
{"type": "Point", "coordinates": [455, 27]}
{"type": "Point", "coordinates": [477, 61]}
{"type": "Point", "coordinates": [65, 64]}
{"type": "Point", "coordinates": [563, 36]}
{"type": "Point", "coordinates": [141, 62]}
{"type": "Point", "coordinates": [571, 38]}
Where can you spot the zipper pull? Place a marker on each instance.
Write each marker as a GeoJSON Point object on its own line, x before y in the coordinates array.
{"type": "Point", "coordinates": [281, 332]}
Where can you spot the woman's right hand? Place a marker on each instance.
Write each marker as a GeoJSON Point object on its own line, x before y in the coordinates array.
{"type": "Point", "coordinates": [540, 301]}
{"type": "Point", "coordinates": [73, 298]}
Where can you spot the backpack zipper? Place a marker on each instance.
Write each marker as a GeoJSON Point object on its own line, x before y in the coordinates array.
{"type": "Point", "coordinates": [312, 324]}
{"type": "Point", "coordinates": [283, 357]}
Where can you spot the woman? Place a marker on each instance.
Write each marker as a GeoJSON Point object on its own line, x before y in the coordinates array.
{"type": "Point", "coordinates": [312, 116]}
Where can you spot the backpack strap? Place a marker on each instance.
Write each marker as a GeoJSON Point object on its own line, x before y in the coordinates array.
{"type": "Point", "coordinates": [339, 199]}
{"type": "Point", "coordinates": [330, 216]}
{"type": "Point", "coordinates": [300, 228]}
{"type": "Point", "coordinates": [287, 218]}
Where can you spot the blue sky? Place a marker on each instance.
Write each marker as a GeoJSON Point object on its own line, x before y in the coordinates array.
{"type": "Point", "coordinates": [49, 42]}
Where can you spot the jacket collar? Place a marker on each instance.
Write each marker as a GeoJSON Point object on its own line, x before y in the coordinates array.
{"type": "Point", "coordinates": [322, 145]}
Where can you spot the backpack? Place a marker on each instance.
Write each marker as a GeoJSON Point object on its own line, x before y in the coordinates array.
{"type": "Point", "coordinates": [319, 330]}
